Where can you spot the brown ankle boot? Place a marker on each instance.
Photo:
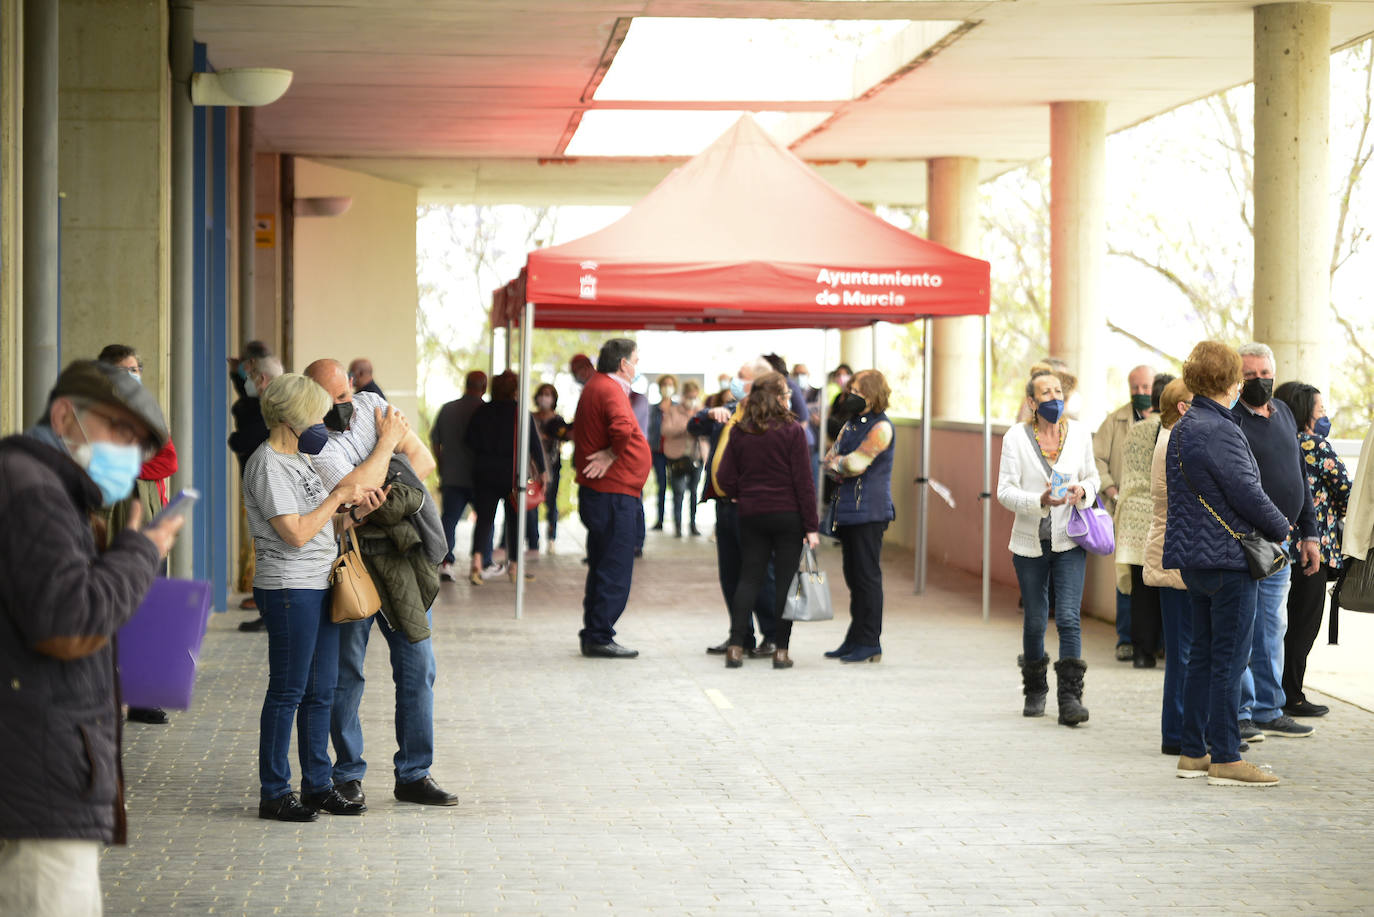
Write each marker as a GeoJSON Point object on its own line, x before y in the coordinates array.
{"type": "Point", "coordinates": [734, 657]}
{"type": "Point", "coordinates": [781, 660]}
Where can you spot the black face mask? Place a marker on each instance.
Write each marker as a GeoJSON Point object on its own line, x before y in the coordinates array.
{"type": "Point", "coordinates": [851, 404]}
{"type": "Point", "coordinates": [1256, 392]}
{"type": "Point", "coordinates": [339, 416]}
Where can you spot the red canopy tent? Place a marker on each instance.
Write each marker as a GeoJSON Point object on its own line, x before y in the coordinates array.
{"type": "Point", "coordinates": [746, 236]}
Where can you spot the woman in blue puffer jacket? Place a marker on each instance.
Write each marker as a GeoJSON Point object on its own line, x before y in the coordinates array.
{"type": "Point", "coordinates": [1214, 498]}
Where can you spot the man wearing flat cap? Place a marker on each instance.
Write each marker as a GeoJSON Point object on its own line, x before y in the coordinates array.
{"type": "Point", "coordinates": [61, 602]}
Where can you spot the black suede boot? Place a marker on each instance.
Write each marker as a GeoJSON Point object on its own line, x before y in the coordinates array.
{"type": "Point", "coordinates": [1069, 673]}
{"type": "Point", "coordinates": [1035, 685]}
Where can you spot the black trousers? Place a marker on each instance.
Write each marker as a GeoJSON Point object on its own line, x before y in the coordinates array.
{"type": "Point", "coordinates": [765, 537]}
{"type": "Point", "coordinates": [1306, 603]}
{"type": "Point", "coordinates": [486, 502]}
{"type": "Point", "coordinates": [1146, 622]}
{"type": "Point", "coordinates": [862, 549]}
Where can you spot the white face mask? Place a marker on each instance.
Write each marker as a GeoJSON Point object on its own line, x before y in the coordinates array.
{"type": "Point", "coordinates": [667, 391]}
{"type": "Point", "coordinates": [545, 403]}
{"type": "Point", "coordinates": [250, 388]}
{"type": "Point", "coordinates": [803, 380]}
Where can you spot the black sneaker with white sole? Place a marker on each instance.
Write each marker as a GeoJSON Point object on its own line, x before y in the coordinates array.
{"type": "Point", "coordinates": [1284, 726]}
{"type": "Point", "coordinates": [1249, 732]}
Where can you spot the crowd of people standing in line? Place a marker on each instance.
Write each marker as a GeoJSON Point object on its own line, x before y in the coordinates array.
{"type": "Point", "coordinates": [1194, 470]}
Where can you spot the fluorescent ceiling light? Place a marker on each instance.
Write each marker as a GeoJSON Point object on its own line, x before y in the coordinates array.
{"type": "Point", "coordinates": [666, 59]}
{"type": "Point", "coordinates": [675, 133]}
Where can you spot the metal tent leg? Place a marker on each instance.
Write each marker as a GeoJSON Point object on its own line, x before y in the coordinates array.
{"type": "Point", "coordinates": [922, 482]}
{"type": "Point", "coordinates": [522, 455]}
{"type": "Point", "coordinates": [986, 495]}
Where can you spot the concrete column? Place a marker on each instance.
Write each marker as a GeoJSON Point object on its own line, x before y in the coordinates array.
{"type": "Point", "coordinates": [856, 349]}
{"type": "Point", "coordinates": [1292, 207]}
{"type": "Point", "coordinates": [181, 53]}
{"type": "Point", "coordinates": [1078, 245]}
{"type": "Point", "coordinates": [952, 201]}
{"type": "Point", "coordinates": [40, 206]}
{"type": "Point", "coordinates": [11, 219]}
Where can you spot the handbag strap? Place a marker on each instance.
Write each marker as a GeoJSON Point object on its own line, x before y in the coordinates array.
{"type": "Point", "coordinates": [1039, 453]}
{"type": "Point", "coordinates": [1178, 454]}
{"type": "Point", "coordinates": [810, 565]}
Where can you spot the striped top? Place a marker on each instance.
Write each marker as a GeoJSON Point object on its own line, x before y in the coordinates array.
{"type": "Point", "coordinates": [282, 485]}
{"type": "Point", "coordinates": [349, 449]}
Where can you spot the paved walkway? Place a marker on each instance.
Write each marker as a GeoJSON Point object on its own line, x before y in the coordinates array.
{"type": "Point", "coordinates": [669, 785]}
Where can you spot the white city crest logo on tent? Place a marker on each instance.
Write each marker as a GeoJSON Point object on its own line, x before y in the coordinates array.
{"type": "Point", "coordinates": [587, 282]}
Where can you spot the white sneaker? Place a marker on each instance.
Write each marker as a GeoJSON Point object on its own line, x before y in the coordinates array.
{"type": "Point", "coordinates": [548, 547]}
{"type": "Point", "coordinates": [495, 570]}
{"type": "Point", "coordinates": [446, 572]}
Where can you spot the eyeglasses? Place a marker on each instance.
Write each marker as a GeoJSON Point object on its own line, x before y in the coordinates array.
{"type": "Point", "coordinates": [123, 432]}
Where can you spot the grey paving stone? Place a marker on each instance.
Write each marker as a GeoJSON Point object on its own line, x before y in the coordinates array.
{"type": "Point", "coordinates": [912, 786]}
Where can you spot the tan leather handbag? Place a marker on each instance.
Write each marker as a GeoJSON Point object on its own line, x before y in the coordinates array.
{"type": "Point", "coordinates": [352, 595]}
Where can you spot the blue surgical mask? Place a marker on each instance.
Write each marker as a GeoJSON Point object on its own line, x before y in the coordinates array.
{"type": "Point", "coordinates": [1322, 427]}
{"type": "Point", "coordinates": [1234, 401]}
{"type": "Point", "coordinates": [138, 377]}
{"type": "Point", "coordinates": [312, 440]}
{"type": "Point", "coordinates": [113, 467]}
{"type": "Point", "coordinates": [737, 389]}
{"type": "Point", "coordinates": [1050, 410]}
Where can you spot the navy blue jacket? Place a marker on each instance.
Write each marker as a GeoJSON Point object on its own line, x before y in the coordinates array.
{"type": "Point", "coordinates": [866, 497]}
{"type": "Point", "coordinates": [1274, 442]}
{"type": "Point", "coordinates": [702, 424]}
{"type": "Point", "coordinates": [1222, 470]}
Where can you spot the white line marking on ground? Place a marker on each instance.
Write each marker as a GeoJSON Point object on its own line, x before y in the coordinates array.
{"type": "Point", "coordinates": [718, 699]}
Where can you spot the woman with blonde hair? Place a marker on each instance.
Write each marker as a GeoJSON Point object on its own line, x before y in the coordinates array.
{"type": "Point", "coordinates": [1042, 553]}
{"type": "Point", "coordinates": [861, 462]}
{"type": "Point", "coordinates": [293, 521]}
{"type": "Point", "coordinates": [1175, 614]}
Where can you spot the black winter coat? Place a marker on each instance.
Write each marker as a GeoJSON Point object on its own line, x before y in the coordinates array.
{"type": "Point", "coordinates": [61, 603]}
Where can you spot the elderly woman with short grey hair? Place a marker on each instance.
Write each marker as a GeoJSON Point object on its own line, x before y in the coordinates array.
{"type": "Point", "coordinates": [293, 519]}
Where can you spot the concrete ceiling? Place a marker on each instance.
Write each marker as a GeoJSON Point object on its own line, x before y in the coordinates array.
{"type": "Point", "coordinates": [474, 100]}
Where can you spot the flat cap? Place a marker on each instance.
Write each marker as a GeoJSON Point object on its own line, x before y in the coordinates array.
{"type": "Point", "coordinates": [113, 385]}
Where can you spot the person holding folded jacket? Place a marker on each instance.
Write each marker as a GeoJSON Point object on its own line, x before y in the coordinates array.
{"type": "Point", "coordinates": [1042, 552]}
{"type": "Point", "coordinates": [1215, 496]}
{"type": "Point", "coordinates": [766, 470]}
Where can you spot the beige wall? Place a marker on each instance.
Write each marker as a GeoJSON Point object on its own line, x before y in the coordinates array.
{"type": "Point", "coordinates": [11, 220]}
{"type": "Point", "coordinates": [114, 172]}
{"type": "Point", "coordinates": [267, 261]}
{"type": "Point", "coordinates": [956, 458]}
{"type": "Point", "coordinates": [355, 290]}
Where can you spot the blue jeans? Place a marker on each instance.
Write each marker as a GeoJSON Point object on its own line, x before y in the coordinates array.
{"type": "Point", "coordinates": [1176, 616]}
{"type": "Point", "coordinates": [302, 661]}
{"type": "Point", "coordinates": [412, 670]}
{"type": "Point", "coordinates": [1261, 687]}
{"type": "Point", "coordinates": [614, 523]}
{"type": "Point", "coordinates": [456, 500]}
{"type": "Point", "coordinates": [729, 552]}
{"type": "Point", "coordinates": [1034, 574]}
{"type": "Point", "coordinates": [550, 512]}
{"type": "Point", "coordinates": [1123, 618]}
{"type": "Point", "coordinates": [1223, 603]}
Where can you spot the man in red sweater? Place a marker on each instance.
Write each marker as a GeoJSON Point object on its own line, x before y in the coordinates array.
{"type": "Point", "coordinates": [611, 457]}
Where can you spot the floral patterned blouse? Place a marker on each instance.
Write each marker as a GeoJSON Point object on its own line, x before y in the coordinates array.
{"type": "Point", "coordinates": [1330, 484]}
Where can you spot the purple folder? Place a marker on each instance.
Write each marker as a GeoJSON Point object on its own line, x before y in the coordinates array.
{"type": "Point", "coordinates": [159, 646]}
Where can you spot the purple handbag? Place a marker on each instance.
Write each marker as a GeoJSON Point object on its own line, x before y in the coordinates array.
{"type": "Point", "coordinates": [159, 646]}
{"type": "Point", "coordinates": [1091, 529]}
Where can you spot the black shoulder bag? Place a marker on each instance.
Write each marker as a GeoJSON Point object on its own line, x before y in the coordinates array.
{"type": "Point", "coordinates": [1264, 557]}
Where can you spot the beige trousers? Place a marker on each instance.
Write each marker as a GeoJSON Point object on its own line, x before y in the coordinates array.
{"type": "Point", "coordinates": [50, 878]}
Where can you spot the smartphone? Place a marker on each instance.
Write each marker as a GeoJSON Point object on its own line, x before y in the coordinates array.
{"type": "Point", "coordinates": [179, 505]}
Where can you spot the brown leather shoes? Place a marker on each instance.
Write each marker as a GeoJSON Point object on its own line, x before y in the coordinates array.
{"type": "Point", "coordinates": [734, 657]}
{"type": "Point", "coordinates": [781, 660]}
{"type": "Point", "coordinates": [763, 650]}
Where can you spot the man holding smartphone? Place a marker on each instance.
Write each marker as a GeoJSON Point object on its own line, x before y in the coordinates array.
{"type": "Point", "coordinates": [63, 595]}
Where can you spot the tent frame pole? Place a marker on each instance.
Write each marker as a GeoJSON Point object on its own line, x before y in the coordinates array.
{"type": "Point", "coordinates": [522, 454]}
{"type": "Point", "coordinates": [510, 342]}
{"type": "Point", "coordinates": [923, 482]}
{"type": "Point", "coordinates": [820, 428]}
{"type": "Point", "coordinates": [986, 495]}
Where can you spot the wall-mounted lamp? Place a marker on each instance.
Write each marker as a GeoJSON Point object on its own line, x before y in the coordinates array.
{"type": "Point", "coordinates": [240, 86]}
{"type": "Point", "coordinates": [321, 206]}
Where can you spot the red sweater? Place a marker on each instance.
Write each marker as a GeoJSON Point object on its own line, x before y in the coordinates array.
{"type": "Point", "coordinates": [770, 472]}
{"type": "Point", "coordinates": [604, 420]}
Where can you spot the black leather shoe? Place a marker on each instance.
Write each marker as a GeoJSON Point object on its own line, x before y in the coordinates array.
{"type": "Point", "coordinates": [718, 649]}
{"type": "Point", "coordinates": [256, 624]}
{"type": "Point", "coordinates": [1301, 708]}
{"type": "Point", "coordinates": [286, 808]}
{"type": "Point", "coordinates": [424, 792]}
{"type": "Point", "coordinates": [153, 715]}
{"type": "Point", "coordinates": [610, 650]}
{"type": "Point", "coordinates": [330, 801]}
{"type": "Point", "coordinates": [352, 790]}
{"type": "Point", "coordinates": [764, 650]}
